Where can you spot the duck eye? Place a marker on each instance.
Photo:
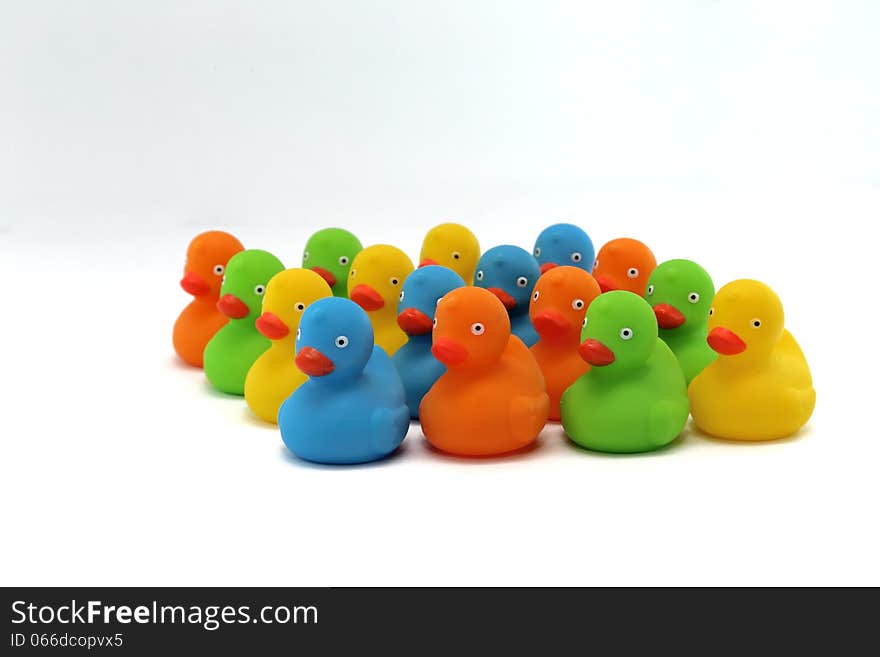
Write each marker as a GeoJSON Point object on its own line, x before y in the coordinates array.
{"type": "Point", "coordinates": [595, 263]}
{"type": "Point", "coordinates": [394, 280]}
{"type": "Point", "coordinates": [343, 260]}
{"type": "Point", "coordinates": [632, 272]}
{"type": "Point", "coordinates": [711, 311]}
{"type": "Point", "coordinates": [435, 321]}
{"type": "Point", "coordinates": [223, 279]}
{"type": "Point", "coordinates": [626, 333]}
{"type": "Point", "coordinates": [259, 290]}
{"type": "Point", "coordinates": [341, 341]}
{"type": "Point", "coordinates": [480, 275]}
{"type": "Point", "coordinates": [456, 255]}
{"type": "Point", "coordinates": [756, 323]}
{"type": "Point", "coordinates": [578, 304]}
{"type": "Point", "coordinates": [576, 257]}
{"type": "Point", "coordinates": [537, 251]}
{"type": "Point", "coordinates": [353, 272]}
{"type": "Point", "coordinates": [693, 297]}
{"type": "Point", "coordinates": [477, 328]}
{"type": "Point", "coordinates": [218, 270]}
{"type": "Point", "coordinates": [522, 281]}
{"type": "Point", "coordinates": [298, 333]}
{"type": "Point", "coordinates": [536, 295]}
{"type": "Point", "coordinates": [305, 255]}
{"type": "Point", "coordinates": [650, 290]}
{"type": "Point", "coordinates": [401, 295]}
{"type": "Point", "coordinates": [300, 306]}
{"type": "Point", "coordinates": [585, 321]}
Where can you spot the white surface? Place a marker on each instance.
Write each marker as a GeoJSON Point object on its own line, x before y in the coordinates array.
{"type": "Point", "coordinates": [743, 135]}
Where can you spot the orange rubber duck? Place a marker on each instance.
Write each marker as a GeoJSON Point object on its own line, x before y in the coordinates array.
{"type": "Point", "coordinates": [492, 398]}
{"type": "Point", "coordinates": [557, 310]}
{"type": "Point", "coordinates": [624, 264]}
{"type": "Point", "coordinates": [206, 260]}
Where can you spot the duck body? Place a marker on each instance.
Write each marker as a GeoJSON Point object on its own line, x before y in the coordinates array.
{"type": "Point", "coordinates": [510, 273]}
{"type": "Point", "coordinates": [194, 328]}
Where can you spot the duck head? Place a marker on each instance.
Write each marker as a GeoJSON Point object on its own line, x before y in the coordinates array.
{"type": "Point", "coordinates": [510, 273]}
{"type": "Point", "coordinates": [418, 298]}
{"type": "Point", "coordinates": [376, 278]}
{"type": "Point", "coordinates": [453, 246]}
{"type": "Point", "coordinates": [471, 329]}
{"type": "Point", "coordinates": [206, 259]}
{"type": "Point", "coordinates": [681, 293]}
{"type": "Point", "coordinates": [330, 253]}
{"type": "Point", "coordinates": [244, 284]}
{"type": "Point", "coordinates": [624, 264]}
{"type": "Point", "coordinates": [746, 320]}
{"type": "Point", "coordinates": [334, 340]}
{"type": "Point", "coordinates": [287, 296]}
{"type": "Point", "coordinates": [564, 245]}
{"type": "Point", "coordinates": [619, 332]}
{"type": "Point", "coordinates": [560, 301]}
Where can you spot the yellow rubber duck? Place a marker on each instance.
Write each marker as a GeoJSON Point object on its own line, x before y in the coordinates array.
{"type": "Point", "coordinates": [274, 376]}
{"type": "Point", "coordinates": [453, 246]}
{"type": "Point", "coordinates": [760, 387]}
{"type": "Point", "coordinates": [374, 283]}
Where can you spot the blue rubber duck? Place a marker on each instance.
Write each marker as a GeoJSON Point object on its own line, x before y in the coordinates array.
{"type": "Point", "coordinates": [510, 273]}
{"type": "Point", "coordinates": [352, 408]}
{"type": "Point", "coordinates": [564, 244]}
{"type": "Point", "coordinates": [414, 361]}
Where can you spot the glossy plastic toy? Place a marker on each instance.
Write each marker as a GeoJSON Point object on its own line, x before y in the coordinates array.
{"type": "Point", "coordinates": [557, 310]}
{"type": "Point", "coordinates": [414, 361]}
{"type": "Point", "coordinates": [352, 407]}
{"type": "Point", "coordinates": [510, 273]}
{"type": "Point", "coordinates": [681, 293]}
{"type": "Point", "coordinates": [274, 376]}
{"type": "Point", "coordinates": [453, 246]}
{"type": "Point", "coordinates": [634, 398]}
{"type": "Point", "coordinates": [374, 283]}
{"type": "Point", "coordinates": [624, 264]}
{"type": "Point", "coordinates": [329, 253]}
{"type": "Point", "coordinates": [760, 387]}
{"type": "Point", "coordinates": [491, 400]}
{"type": "Point", "coordinates": [564, 244]}
{"type": "Point", "coordinates": [206, 260]}
{"type": "Point", "coordinates": [231, 352]}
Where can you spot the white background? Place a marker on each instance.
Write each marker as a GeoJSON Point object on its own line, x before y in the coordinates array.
{"type": "Point", "coordinates": [743, 135]}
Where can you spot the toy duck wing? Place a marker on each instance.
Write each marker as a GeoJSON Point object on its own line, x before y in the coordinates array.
{"type": "Point", "coordinates": [790, 352]}
{"type": "Point", "coordinates": [389, 426]}
{"type": "Point", "coordinates": [380, 368]}
{"type": "Point", "coordinates": [528, 413]}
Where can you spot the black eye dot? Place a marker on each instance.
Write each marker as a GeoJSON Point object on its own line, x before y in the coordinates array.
{"type": "Point", "coordinates": [456, 255]}
{"type": "Point", "coordinates": [394, 281]}
{"type": "Point", "coordinates": [300, 306]}
{"type": "Point", "coordinates": [756, 323]}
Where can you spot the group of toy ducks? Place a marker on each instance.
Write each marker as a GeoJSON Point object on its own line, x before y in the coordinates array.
{"type": "Point", "coordinates": [483, 349]}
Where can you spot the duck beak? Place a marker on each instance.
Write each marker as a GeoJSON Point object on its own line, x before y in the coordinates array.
{"type": "Point", "coordinates": [413, 321]}
{"type": "Point", "coordinates": [449, 352]}
{"type": "Point", "coordinates": [427, 261]}
{"type": "Point", "coordinates": [194, 284]}
{"type": "Point", "coordinates": [272, 326]}
{"type": "Point", "coordinates": [233, 307]}
{"type": "Point", "coordinates": [325, 274]}
{"type": "Point", "coordinates": [596, 353]}
{"type": "Point", "coordinates": [313, 362]}
{"type": "Point", "coordinates": [547, 266]}
{"type": "Point", "coordinates": [605, 284]}
{"type": "Point", "coordinates": [367, 298]}
{"type": "Point", "coordinates": [725, 341]}
{"type": "Point", "coordinates": [668, 317]}
{"type": "Point", "coordinates": [508, 301]}
{"type": "Point", "coordinates": [551, 324]}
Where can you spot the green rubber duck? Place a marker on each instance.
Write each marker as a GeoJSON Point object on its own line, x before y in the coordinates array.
{"type": "Point", "coordinates": [681, 293]}
{"type": "Point", "coordinates": [234, 348]}
{"type": "Point", "coordinates": [634, 397]}
{"type": "Point", "coordinates": [329, 253]}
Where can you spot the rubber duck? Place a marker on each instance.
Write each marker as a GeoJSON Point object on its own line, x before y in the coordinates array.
{"type": "Point", "coordinates": [681, 293]}
{"type": "Point", "coordinates": [206, 259]}
{"type": "Point", "coordinates": [453, 246]}
{"type": "Point", "coordinates": [352, 408]}
{"type": "Point", "coordinates": [624, 264]}
{"type": "Point", "coordinates": [760, 386]}
{"type": "Point", "coordinates": [634, 397]}
{"type": "Point", "coordinates": [231, 352]}
{"type": "Point", "coordinates": [510, 273]}
{"type": "Point", "coordinates": [330, 253]}
{"type": "Point", "coordinates": [274, 376]}
{"type": "Point", "coordinates": [492, 399]}
{"type": "Point", "coordinates": [374, 283]}
{"type": "Point", "coordinates": [564, 244]}
{"type": "Point", "coordinates": [559, 303]}
{"type": "Point", "coordinates": [414, 361]}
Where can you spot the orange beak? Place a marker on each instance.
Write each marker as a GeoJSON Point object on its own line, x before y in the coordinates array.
{"type": "Point", "coordinates": [325, 274]}
{"type": "Point", "coordinates": [427, 261]}
{"type": "Point", "coordinates": [725, 341]}
{"type": "Point", "coordinates": [194, 284]}
{"type": "Point", "coordinates": [508, 301]}
{"type": "Point", "coordinates": [551, 324]}
{"type": "Point", "coordinates": [668, 317]}
{"type": "Point", "coordinates": [596, 353]}
{"type": "Point", "coordinates": [605, 284]}
{"type": "Point", "coordinates": [413, 321]}
{"type": "Point", "coordinates": [313, 362]}
{"type": "Point", "coordinates": [233, 307]}
{"type": "Point", "coordinates": [449, 352]}
{"type": "Point", "coordinates": [272, 326]}
{"type": "Point", "coordinates": [367, 298]}
{"type": "Point", "coordinates": [547, 266]}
